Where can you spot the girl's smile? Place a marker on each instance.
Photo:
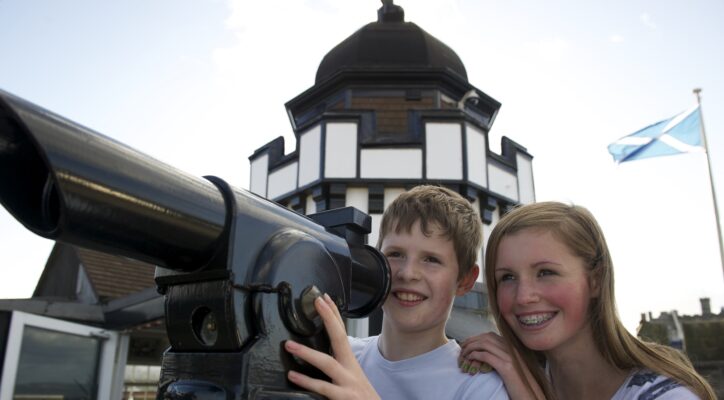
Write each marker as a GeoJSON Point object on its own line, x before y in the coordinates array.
{"type": "Point", "coordinates": [543, 290]}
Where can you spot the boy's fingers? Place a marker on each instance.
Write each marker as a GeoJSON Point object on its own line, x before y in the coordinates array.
{"type": "Point", "coordinates": [323, 362]}
{"type": "Point", "coordinates": [336, 332]}
{"type": "Point", "coordinates": [334, 308]}
{"type": "Point", "coordinates": [315, 385]}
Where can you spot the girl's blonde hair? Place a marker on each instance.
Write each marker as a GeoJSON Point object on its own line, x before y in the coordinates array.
{"type": "Point", "coordinates": [576, 227]}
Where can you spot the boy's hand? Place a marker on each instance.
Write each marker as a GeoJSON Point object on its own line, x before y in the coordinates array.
{"type": "Point", "coordinates": [348, 380]}
{"type": "Point", "coordinates": [489, 350]}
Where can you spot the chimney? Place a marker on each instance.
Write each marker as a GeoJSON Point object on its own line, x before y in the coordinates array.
{"type": "Point", "coordinates": [705, 306]}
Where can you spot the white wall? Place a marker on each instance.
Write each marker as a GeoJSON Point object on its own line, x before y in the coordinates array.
{"type": "Point", "coordinates": [479, 259]}
{"type": "Point", "coordinates": [477, 156]}
{"type": "Point", "coordinates": [282, 181]}
{"type": "Point", "coordinates": [502, 181]}
{"type": "Point", "coordinates": [525, 179]}
{"type": "Point", "coordinates": [310, 151]}
{"type": "Point", "coordinates": [259, 171]}
{"type": "Point", "coordinates": [340, 150]}
{"type": "Point", "coordinates": [311, 206]}
{"type": "Point", "coordinates": [391, 194]}
{"type": "Point", "coordinates": [391, 163]}
{"type": "Point", "coordinates": [357, 198]}
{"type": "Point", "coordinates": [487, 230]}
{"type": "Point", "coordinates": [444, 156]}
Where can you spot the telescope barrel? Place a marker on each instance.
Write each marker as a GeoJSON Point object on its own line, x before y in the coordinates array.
{"type": "Point", "coordinates": [65, 182]}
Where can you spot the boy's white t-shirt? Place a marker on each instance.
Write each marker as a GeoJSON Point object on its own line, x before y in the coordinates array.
{"type": "Point", "coordinates": [647, 385]}
{"type": "Point", "coordinates": [434, 375]}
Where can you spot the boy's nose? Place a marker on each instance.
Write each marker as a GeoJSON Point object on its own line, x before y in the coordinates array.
{"type": "Point", "coordinates": [407, 271]}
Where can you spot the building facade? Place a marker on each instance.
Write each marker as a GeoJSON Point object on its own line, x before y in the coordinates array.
{"type": "Point", "coordinates": [701, 337]}
{"type": "Point", "coordinates": [392, 108]}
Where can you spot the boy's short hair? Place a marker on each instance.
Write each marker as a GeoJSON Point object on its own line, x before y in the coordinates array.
{"type": "Point", "coordinates": [448, 211]}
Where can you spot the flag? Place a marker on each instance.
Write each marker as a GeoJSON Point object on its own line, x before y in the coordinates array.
{"type": "Point", "coordinates": [676, 135]}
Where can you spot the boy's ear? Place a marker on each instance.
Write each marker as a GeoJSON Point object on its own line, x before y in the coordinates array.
{"type": "Point", "coordinates": [468, 281]}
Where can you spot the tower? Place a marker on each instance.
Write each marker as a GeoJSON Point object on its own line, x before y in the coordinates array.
{"type": "Point", "coordinates": [392, 108]}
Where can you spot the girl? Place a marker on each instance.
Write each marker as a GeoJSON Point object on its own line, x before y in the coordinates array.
{"type": "Point", "coordinates": [550, 281]}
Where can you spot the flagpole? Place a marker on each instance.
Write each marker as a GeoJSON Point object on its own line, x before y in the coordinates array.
{"type": "Point", "coordinates": [697, 92]}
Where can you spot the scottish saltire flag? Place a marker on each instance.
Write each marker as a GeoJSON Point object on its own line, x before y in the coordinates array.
{"type": "Point", "coordinates": [676, 135]}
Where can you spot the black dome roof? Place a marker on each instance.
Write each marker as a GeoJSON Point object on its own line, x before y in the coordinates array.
{"type": "Point", "coordinates": [390, 44]}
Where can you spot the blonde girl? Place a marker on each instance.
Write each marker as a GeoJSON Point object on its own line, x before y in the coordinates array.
{"type": "Point", "coordinates": [550, 280]}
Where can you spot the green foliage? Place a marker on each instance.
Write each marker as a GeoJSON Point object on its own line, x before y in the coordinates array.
{"type": "Point", "coordinates": [704, 339]}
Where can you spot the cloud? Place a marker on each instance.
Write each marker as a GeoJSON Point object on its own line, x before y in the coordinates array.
{"type": "Point", "coordinates": [615, 38]}
{"type": "Point", "coordinates": [648, 21]}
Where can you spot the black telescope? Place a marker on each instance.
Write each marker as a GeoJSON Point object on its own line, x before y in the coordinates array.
{"type": "Point", "coordinates": [239, 273]}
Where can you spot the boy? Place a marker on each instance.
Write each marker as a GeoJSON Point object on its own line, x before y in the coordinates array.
{"type": "Point", "coordinates": [430, 236]}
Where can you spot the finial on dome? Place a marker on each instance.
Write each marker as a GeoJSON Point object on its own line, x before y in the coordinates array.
{"type": "Point", "coordinates": [390, 12]}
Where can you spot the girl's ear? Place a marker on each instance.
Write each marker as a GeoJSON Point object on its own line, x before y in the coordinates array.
{"type": "Point", "coordinates": [594, 282]}
{"type": "Point", "coordinates": [468, 281]}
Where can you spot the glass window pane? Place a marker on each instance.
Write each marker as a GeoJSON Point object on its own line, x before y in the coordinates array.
{"type": "Point", "coordinates": [54, 364]}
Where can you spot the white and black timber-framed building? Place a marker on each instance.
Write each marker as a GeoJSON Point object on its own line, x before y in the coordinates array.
{"type": "Point", "coordinates": [392, 108]}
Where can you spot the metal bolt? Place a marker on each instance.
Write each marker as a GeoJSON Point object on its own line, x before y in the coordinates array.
{"type": "Point", "coordinates": [307, 299]}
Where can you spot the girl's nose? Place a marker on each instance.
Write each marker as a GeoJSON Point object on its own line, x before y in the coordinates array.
{"type": "Point", "coordinates": [527, 292]}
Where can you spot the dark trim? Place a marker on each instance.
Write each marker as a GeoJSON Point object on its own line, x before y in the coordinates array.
{"type": "Point", "coordinates": [488, 204]}
{"type": "Point", "coordinates": [464, 149]}
{"type": "Point", "coordinates": [486, 162]}
{"type": "Point", "coordinates": [90, 314]}
{"type": "Point", "coordinates": [274, 148]}
{"type": "Point", "coordinates": [505, 207]}
{"type": "Point", "coordinates": [320, 198]}
{"type": "Point", "coordinates": [358, 166]}
{"type": "Point", "coordinates": [283, 162]}
{"type": "Point", "coordinates": [375, 199]}
{"type": "Point", "coordinates": [470, 193]}
{"type": "Point", "coordinates": [297, 203]}
{"type": "Point", "coordinates": [439, 78]}
{"type": "Point", "coordinates": [400, 145]}
{"type": "Point", "coordinates": [337, 195]}
{"type": "Point", "coordinates": [508, 146]}
{"type": "Point", "coordinates": [302, 108]}
{"type": "Point", "coordinates": [322, 151]}
{"type": "Point", "coordinates": [314, 188]}
{"type": "Point", "coordinates": [503, 163]}
{"type": "Point", "coordinates": [135, 309]}
{"type": "Point", "coordinates": [423, 145]}
{"type": "Point", "coordinates": [5, 318]}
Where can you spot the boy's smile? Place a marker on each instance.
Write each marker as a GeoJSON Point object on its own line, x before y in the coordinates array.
{"type": "Point", "coordinates": [424, 280]}
{"type": "Point", "coordinates": [408, 298]}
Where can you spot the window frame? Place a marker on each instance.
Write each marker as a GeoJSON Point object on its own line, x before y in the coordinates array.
{"type": "Point", "coordinates": [109, 341]}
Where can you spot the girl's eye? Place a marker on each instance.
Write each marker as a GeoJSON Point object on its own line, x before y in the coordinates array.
{"type": "Point", "coordinates": [545, 272]}
{"type": "Point", "coordinates": [506, 277]}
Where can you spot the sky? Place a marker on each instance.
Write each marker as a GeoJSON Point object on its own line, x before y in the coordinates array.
{"type": "Point", "coordinates": [202, 84]}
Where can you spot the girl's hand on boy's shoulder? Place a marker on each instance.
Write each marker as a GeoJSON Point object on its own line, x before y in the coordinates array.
{"type": "Point", "coordinates": [488, 351]}
{"type": "Point", "coordinates": [348, 379]}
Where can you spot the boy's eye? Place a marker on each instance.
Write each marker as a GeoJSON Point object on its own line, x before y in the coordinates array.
{"type": "Point", "coordinates": [431, 259]}
{"type": "Point", "coordinates": [393, 254]}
